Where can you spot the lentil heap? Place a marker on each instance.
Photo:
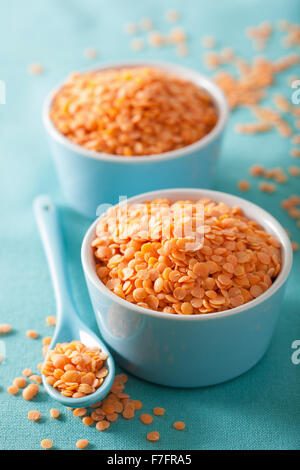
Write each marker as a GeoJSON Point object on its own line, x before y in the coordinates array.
{"type": "Point", "coordinates": [234, 262]}
{"type": "Point", "coordinates": [132, 111]}
{"type": "Point", "coordinates": [74, 369]}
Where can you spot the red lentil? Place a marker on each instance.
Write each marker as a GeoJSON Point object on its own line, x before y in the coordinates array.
{"type": "Point", "coordinates": [20, 382]}
{"type": "Point", "coordinates": [146, 418]}
{"type": "Point", "coordinates": [54, 413]}
{"type": "Point", "coordinates": [296, 139]}
{"type": "Point", "coordinates": [30, 391]}
{"type": "Point", "coordinates": [82, 443]}
{"type": "Point", "coordinates": [35, 69]}
{"type": "Point", "coordinates": [13, 389]}
{"type": "Point", "coordinates": [244, 185]}
{"type": "Point", "coordinates": [102, 425]}
{"type": "Point", "coordinates": [112, 417]}
{"type": "Point", "coordinates": [295, 153]}
{"type": "Point", "coordinates": [5, 329]}
{"type": "Point", "coordinates": [46, 444]}
{"type": "Point", "coordinates": [179, 425]}
{"type": "Point", "coordinates": [32, 334]}
{"type": "Point", "coordinates": [36, 378]}
{"type": "Point", "coordinates": [79, 412]}
{"type": "Point", "coordinates": [34, 415]}
{"type": "Point", "coordinates": [51, 321]}
{"type": "Point", "coordinates": [88, 420]}
{"type": "Point", "coordinates": [253, 128]}
{"type": "Point", "coordinates": [153, 436]}
{"type": "Point", "coordinates": [256, 170]}
{"type": "Point", "coordinates": [128, 411]}
{"type": "Point", "coordinates": [47, 340]}
{"type": "Point", "coordinates": [294, 170]}
{"type": "Point", "coordinates": [138, 405]}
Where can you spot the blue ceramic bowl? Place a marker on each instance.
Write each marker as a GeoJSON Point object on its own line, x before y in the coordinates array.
{"type": "Point", "coordinates": [195, 350]}
{"type": "Point", "coordinates": [91, 178]}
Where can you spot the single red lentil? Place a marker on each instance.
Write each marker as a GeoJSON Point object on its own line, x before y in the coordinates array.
{"type": "Point", "coordinates": [253, 128]}
{"type": "Point", "coordinates": [46, 444]}
{"type": "Point", "coordinates": [35, 69]}
{"type": "Point", "coordinates": [295, 152]}
{"type": "Point", "coordinates": [146, 418]}
{"type": "Point", "coordinates": [296, 139]}
{"type": "Point", "coordinates": [13, 389]}
{"type": "Point", "coordinates": [80, 412]}
{"type": "Point", "coordinates": [88, 420]}
{"type": "Point", "coordinates": [179, 425]}
{"type": "Point", "coordinates": [54, 413]}
{"type": "Point", "coordinates": [102, 425]}
{"type": "Point", "coordinates": [51, 321]}
{"type": "Point", "coordinates": [5, 329]}
{"type": "Point", "coordinates": [82, 443]}
{"type": "Point", "coordinates": [36, 378]}
{"type": "Point", "coordinates": [294, 170]}
{"type": "Point", "coordinates": [138, 405]}
{"type": "Point", "coordinates": [34, 415]}
{"type": "Point", "coordinates": [244, 185]}
{"type": "Point", "coordinates": [20, 382]}
{"type": "Point", "coordinates": [256, 170]}
{"type": "Point", "coordinates": [30, 391]}
{"type": "Point", "coordinates": [153, 436]}
{"type": "Point", "coordinates": [27, 372]}
{"type": "Point", "coordinates": [47, 340]}
{"type": "Point", "coordinates": [32, 334]}
{"type": "Point", "coordinates": [159, 411]}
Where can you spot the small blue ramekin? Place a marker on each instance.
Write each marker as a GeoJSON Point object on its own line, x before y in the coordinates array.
{"type": "Point", "coordinates": [182, 350]}
{"type": "Point", "coordinates": [91, 178]}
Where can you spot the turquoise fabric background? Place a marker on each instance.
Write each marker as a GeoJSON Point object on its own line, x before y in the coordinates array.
{"type": "Point", "coordinates": [259, 410]}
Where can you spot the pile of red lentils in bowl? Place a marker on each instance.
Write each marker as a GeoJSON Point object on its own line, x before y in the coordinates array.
{"type": "Point", "coordinates": [132, 111]}
{"type": "Point", "coordinates": [229, 262]}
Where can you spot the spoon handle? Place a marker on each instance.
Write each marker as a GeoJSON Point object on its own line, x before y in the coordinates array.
{"type": "Point", "coordinates": [48, 224]}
